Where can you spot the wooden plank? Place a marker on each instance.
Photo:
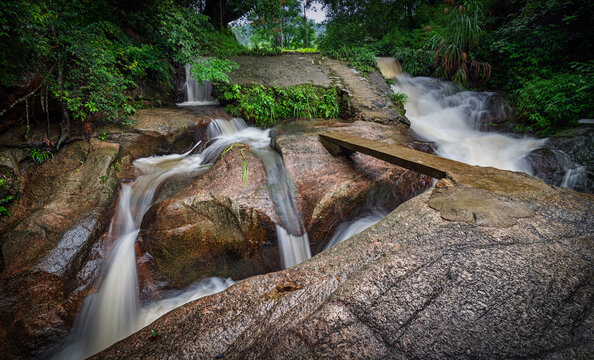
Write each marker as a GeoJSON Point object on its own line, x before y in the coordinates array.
{"type": "Point", "coordinates": [395, 154]}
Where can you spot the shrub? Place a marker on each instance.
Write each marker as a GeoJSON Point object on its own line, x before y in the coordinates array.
{"type": "Point", "coordinates": [360, 58]}
{"type": "Point", "coordinates": [548, 105]}
{"type": "Point", "coordinates": [266, 105]}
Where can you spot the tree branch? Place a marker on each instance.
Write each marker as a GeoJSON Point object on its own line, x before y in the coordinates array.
{"type": "Point", "coordinates": [26, 96]}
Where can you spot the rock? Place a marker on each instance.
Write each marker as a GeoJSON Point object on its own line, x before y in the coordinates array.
{"type": "Point", "coordinates": [416, 285]}
{"type": "Point", "coordinates": [65, 206]}
{"type": "Point", "coordinates": [159, 131]}
{"type": "Point", "coordinates": [330, 188]}
{"type": "Point", "coordinates": [369, 96]}
{"type": "Point", "coordinates": [571, 149]}
{"type": "Point", "coordinates": [214, 226]}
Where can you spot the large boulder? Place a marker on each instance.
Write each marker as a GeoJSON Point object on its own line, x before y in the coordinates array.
{"type": "Point", "coordinates": [65, 205]}
{"type": "Point", "coordinates": [214, 226]}
{"type": "Point", "coordinates": [422, 283]}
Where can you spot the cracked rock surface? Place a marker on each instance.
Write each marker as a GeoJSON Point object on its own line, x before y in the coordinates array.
{"type": "Point", "coordinates": [416, 285]}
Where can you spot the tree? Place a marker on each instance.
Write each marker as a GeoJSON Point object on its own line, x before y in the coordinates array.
{"type": "Point", "coordinates": [454, 48]}
{"type": "Point", "coordinates": [276, 20]}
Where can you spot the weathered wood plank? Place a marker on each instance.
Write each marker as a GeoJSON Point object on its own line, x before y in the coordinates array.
{"type": "Point", "coordinates": [419, 161]}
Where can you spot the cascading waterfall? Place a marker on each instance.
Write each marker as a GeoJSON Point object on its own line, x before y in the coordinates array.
{"type": "Point", "coordinates": [292, 237]}
{"type": "Point", "coordinates": [351, 228]}
{"type": "Point", "coordinates": [114, 312]}
{"type": "Point", "coordinates": [196, 94]}
{"type": "Point", "coordinates": [441, 113]}
{"type": "Point", "coordinates": [389, 67]}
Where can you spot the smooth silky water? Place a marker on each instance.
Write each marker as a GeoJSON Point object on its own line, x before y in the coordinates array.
{"type": "Point", "coordinates": [114, 312]}
{"type": "Point", "coordinates": [439, 112]}
{"type": "Point", "coordinates": [196, 94]}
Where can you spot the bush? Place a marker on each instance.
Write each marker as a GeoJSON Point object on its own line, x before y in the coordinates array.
{"type": "Point", "coordinates": [416, 62]}
{"type": "Point", "coordinates": [266, 105]}
{"type": "Point", "coordinates": [360, 58]}
{"type": "Point", "coordinates": [549, 105]}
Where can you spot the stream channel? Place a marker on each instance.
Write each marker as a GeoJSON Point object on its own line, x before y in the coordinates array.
{"type": "Point", "coordinates": [438, 112]}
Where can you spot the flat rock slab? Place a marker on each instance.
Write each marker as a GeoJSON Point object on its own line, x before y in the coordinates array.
{"type": "Point", "coordinates": [284, 70]}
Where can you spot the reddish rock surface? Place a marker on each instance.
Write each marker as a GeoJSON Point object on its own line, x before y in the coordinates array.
{"type": "Point", "coordinates": [65, 205]}
{"type": "Point", "coordinates": [415, 285]}
{"type": "Point", "coordinates": [214, 226]}
{"type": "Point", "coordinates": [330, 188]}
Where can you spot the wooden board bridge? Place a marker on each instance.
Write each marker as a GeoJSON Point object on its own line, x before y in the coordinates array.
{"type": "Point", "coordinates": [342, 143]}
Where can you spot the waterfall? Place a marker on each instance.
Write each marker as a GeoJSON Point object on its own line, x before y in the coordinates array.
{"type": "Point", "coordinates": [292, 237]}
{"type": "Point", "coordinates": [351, 228]}
{"type": "Point", "coordinates": [197, 94]}
{"type": "Point", "coordinates": [441, 113]}
{"type": "Point", "coordinates": [114, 312]}
{"type": "Point", "coordinates": [389, 67]}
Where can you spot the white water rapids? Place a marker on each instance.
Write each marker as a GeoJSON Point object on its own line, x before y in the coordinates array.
{"type": "Point", "coordinates": [439, 112]}
{"type": "Point", "coordinates": [114, 312]}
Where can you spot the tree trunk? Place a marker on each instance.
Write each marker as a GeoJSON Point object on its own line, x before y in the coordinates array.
{"type": "Point", "coordinates": [305, 24]}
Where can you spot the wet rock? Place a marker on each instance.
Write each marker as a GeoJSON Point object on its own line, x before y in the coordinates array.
{"type": "Point", "coordinates": [570, 150]}
{"type": "Point", "coordinates": [214, 226]}
{"type": "Point", "coordinates": [159, 131]}
{"type": "Point", "coordinates": [331, 188]}
{"type": "Point", "coordinates": [65, 205]}
{"type": "Point", "coordinates": [415, 285]}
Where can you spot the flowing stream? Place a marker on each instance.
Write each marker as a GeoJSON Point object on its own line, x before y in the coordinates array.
{"type": "Point", "coordinates": [197, 94]}
{"type": "Point", "coordinates": [114, 312]}
{"type": "Point", "coordinates": [351, 228]}
{"type": "Point", "coordinates": [441, 113]}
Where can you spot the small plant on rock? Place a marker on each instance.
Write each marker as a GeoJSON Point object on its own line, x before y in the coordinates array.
{"type": "Point", "coordinates": [39, 156]}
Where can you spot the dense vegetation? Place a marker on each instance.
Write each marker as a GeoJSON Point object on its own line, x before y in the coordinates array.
{"type": "Point", "coordinates": [539, 51]}
{"type": "Point", "coordinates": [86, 61]}
{"type": "Point", "coordinates": [266, 105]}
{"type": "Point", "coordinates": [90, 57]}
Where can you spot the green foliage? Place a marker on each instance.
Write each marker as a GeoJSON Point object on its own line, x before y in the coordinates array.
{"type": "Point", "coordinates": [212, 69]}
{"type": "Point", "coordinates": [277, 24]}
{"type": "Point", "coordinates": [93, 54]}
{"type": "Point", "coordinates": [5, 197]}
{"type": "Point", "coordinates": [416, 62]}
{"type": "Point", "coordinates": [399, 98]}
{"type": "Point", "coordinates": [454, 47]}
{"type": "Point", "coordinates": [266, 105]}
{"type": "Point", "coordinates": [359, 58]}
{"type": "Point", "coordinates": [542, 53]}
{"type": "Point", "coordinates": [39, 156]}
{"type": "Point", "coordinates": [103, 136]}
{"type": "Point", "coordinates": [548, 105]}
{"type": "Point", "coordinates": [262, 51]}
